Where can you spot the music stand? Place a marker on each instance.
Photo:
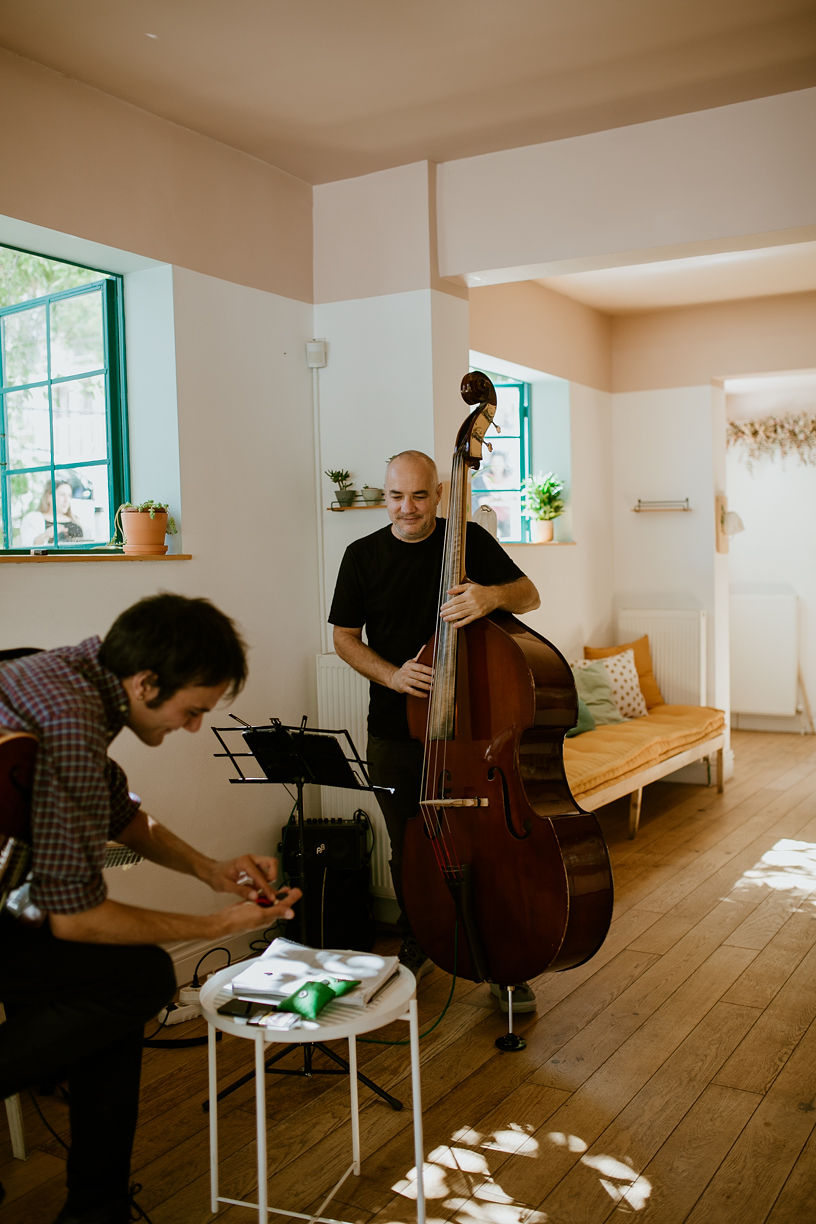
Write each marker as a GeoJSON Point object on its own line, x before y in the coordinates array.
{"type": "Point", "coordinates": [295, 756]}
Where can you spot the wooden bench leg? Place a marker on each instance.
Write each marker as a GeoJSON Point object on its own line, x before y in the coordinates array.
{"type": "Point", "coordinates": [720, 771]}
{"type": "Point", "coordinates": [635, 800]}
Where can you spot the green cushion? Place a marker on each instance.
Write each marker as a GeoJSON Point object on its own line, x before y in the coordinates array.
{"type": "Point", "coordinates": [309, 1000]}
{"type": "Point", "coordinates": [585, 722]}
{"type": "Point", "coordinates": [595, 688]}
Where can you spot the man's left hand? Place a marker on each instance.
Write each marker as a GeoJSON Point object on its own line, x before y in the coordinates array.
{"type": "Point", "coordinates": [466, 602]}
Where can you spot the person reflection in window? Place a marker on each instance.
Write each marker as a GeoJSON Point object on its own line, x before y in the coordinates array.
{"type": "Point", "coordinates": [37, 528]}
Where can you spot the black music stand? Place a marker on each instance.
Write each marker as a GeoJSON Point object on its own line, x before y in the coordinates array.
{"type": "Point", "coordinates": [295, 756]}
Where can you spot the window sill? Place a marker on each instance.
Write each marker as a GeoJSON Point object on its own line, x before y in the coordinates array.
{"type": "Point", "coordinates": [78, 557]}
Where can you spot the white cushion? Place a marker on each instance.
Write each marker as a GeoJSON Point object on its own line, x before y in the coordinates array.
{"type": "Point", "coordinates": [626, 691]}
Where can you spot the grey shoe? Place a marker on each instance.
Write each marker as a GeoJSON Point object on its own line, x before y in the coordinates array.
{"type": "Point", "coordinates": [413, 958]}
{"type": "Point", "coordinates": [523, 998]}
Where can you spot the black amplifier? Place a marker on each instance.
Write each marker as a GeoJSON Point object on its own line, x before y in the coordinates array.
{"type": "Point", "coordinates": [340, 845]}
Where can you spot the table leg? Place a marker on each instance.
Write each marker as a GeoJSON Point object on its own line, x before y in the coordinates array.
{"type": "Point", "coordinates": [260, 1119]}
{"type": "Point", "coordinates": [355, 1109]}
{"type": "Point", "coordinates": [416, 1098]}
{"type": "Point", "coordinates": [213, 1090]}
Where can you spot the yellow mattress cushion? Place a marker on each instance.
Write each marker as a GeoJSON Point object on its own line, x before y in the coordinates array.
{"type": "Point", "coordinates": [610, 752]}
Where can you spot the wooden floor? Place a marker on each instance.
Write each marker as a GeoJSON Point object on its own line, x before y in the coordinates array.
{"type": "Point", "coordinates": [671, 1079]}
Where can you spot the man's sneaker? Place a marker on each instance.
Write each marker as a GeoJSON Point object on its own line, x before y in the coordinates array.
{"type": "Point", "coordinates": [523, 998]}
{"type": "Point", "coordinates": [413, 958]}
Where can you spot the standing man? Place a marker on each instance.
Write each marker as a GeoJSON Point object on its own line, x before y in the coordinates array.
{"type": "Point", "coordinates": [78, 988]}
{"type": "Point", "coordinates": [388, 584]}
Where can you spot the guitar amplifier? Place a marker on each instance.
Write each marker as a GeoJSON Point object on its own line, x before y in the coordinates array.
{"type": "Point", "coordinates": [336, 909]}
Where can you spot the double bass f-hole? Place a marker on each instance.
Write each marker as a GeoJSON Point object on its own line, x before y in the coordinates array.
{"type": "Point", "coordinates": [519, 829]}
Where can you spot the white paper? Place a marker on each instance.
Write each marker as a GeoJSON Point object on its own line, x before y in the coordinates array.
{"type": "Point", "coordinates": [286, 966]}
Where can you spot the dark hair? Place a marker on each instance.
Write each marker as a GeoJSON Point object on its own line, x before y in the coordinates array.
{"type": "Point", "coordinates": [182, 641]}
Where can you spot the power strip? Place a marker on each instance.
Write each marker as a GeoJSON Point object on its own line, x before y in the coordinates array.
{"type": "Point", "coordinates": [188, 996]}
{"type": "Point", "coordinates": [177, 1015]}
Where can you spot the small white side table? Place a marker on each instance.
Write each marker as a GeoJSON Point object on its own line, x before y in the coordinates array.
{"type": "Point", "coordinates": [396, 1001]}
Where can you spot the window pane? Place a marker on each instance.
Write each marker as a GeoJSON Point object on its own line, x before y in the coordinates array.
{"type": "Point", "coordinates": [507, 411]}
{"type": "Point", "coordinates": [24, 347]}
{"type": "Point", "coordinates": [29, 428]}
{"type": "Point", "coordinates": [77, 339]}
{"type": "Point", "coordinates": [80, 420]}
{"type": "Point", "coordinates": [89, 504]}
{"type": "Point", "coordinates": [508, 512]}
{"type": "Point", "coordinates": [499, 470]}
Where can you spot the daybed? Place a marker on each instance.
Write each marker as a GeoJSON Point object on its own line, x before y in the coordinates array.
{"type": "Point", "coordinates": [620, 755]}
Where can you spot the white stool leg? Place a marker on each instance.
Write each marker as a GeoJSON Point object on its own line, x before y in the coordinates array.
{"type": "Point", "coordinates": [14, 1113]}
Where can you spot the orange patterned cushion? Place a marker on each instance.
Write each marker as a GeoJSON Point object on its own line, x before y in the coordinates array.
{"type": "Point", "coordinates": [643, 662]}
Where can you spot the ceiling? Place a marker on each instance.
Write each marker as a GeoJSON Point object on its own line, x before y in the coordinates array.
{"type": "Point", "coordinates": [331, 89]}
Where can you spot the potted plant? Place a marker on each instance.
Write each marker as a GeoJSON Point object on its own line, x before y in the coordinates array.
{"type": "Point", "coordinates": [371, 494]}
{"type": "Point", "coordinates": [143, 526]}
{"type": "Point", "coordinates": [344, 494]}
{"type": "Point", "coordinates": [543, 501]}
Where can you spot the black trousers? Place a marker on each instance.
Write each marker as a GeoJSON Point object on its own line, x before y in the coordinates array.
{"type": "Point", "coordinates": [397, 764]}
{"type": "Point", "coordinates": [76, 1012]}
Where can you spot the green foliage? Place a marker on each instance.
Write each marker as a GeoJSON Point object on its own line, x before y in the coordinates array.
{"type": "Point", "coordinates": [339, 477]}
{"type": "Point", "coordinates": [542, 496]}
{"type": "Point", "coordinates": [24, 276]}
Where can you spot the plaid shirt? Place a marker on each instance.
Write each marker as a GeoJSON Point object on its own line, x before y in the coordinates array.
{"type": "Point", "coordinates": [80, 799]}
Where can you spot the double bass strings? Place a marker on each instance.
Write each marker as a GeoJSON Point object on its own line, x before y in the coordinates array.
{"type": "Point", "coordinates": [440, 722]}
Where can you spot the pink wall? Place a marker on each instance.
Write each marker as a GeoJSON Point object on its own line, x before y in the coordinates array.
{"type": "Point", "coordinates": [83, 163]}
{"type": "Point", "coordinates": [531, 326]}
{"type": "Point", "coordinates": [693, 345]}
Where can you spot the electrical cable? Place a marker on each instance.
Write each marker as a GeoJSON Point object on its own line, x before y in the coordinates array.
{"type": "Point", "coordinates": [439, 1018]}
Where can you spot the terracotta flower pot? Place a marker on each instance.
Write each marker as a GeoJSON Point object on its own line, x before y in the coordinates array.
{"type": "Point", "coordinates": [144, 533]}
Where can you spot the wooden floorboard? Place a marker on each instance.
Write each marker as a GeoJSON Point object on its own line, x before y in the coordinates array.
{"type": "Point", "coordinates": [669, 1080]}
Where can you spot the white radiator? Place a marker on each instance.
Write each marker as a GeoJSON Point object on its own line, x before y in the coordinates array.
{"type": "Point", "coordinates": [677, 640]}
{"type": "Point", "coordinates": [342, 705]}
{"type": "Point", "coordinates": [764, 651]}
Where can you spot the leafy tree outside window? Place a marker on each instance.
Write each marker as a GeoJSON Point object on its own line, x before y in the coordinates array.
{"type": "Point", "coordinates": [500, 478]}
{"type": "Point", "coordinates": [63, 453]}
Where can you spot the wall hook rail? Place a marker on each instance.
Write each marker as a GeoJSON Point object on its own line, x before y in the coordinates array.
{"type": "Point", "coordinates": [677, 504]}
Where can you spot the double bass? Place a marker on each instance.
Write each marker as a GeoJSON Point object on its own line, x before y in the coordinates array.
{"type": "Point", "coordinates": [504, 875]}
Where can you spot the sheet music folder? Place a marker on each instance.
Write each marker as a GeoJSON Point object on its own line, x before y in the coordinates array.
{"type": "Point", "coordinates": [287, 754]}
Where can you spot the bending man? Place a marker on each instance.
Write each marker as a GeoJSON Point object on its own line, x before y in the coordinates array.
{"type": "Point", "coordinates": [79, 988]}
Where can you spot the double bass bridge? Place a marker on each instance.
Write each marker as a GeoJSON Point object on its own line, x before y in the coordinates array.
{"type": "Point", "coordinates": [456, 803]}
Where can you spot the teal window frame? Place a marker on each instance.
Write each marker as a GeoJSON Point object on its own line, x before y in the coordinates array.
{"type": "Point", "coordinates": [111, 288]}
{"type": "Point", "coordinates": [524, 442]}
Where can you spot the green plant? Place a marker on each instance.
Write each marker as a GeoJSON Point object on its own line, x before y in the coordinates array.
{"type": "Point", "coordinates": [543, 496]}
{"type": "Point", "coordinates": [149, 507]}
{"type": "Point", "coordinates": [340, 477]}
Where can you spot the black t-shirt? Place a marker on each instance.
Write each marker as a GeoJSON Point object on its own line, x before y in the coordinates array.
{"type": "Point", "coordinates": [391, 588]}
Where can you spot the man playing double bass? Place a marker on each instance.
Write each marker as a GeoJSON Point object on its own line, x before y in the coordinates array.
{"type": "Point", "coordinates": [388, 584]}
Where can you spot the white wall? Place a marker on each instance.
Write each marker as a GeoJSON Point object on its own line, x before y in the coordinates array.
{"type": "Point", "coordinates": [248, 518]}
{"type": "Point", "coordinates": [776, 500]}
{"type": "Point", "coordinates": [664, 449]}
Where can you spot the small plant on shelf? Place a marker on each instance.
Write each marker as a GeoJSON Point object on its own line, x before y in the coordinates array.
{"type": "Point", "coordinates": [341, 478]}
{"type": "Point", "coordinates": [143, 526]}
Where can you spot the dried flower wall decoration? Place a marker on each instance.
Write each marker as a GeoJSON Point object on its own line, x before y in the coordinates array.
{"type": "Point", "coordinates": [775, 436]}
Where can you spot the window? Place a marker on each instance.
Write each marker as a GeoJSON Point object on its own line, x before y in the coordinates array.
{"type": "Point", "coordinates": [500, 478]}
{"type": "Point", "coordinates": [63, 442]}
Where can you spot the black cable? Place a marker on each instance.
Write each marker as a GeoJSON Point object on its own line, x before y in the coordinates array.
{"type": "Point", "coordinates": [195, 982]}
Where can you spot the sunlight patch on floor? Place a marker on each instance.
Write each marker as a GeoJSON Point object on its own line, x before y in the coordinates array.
{"type": "Point", "coordinates": [786, 866]}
